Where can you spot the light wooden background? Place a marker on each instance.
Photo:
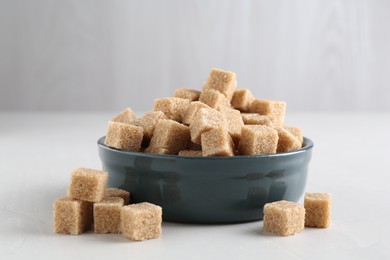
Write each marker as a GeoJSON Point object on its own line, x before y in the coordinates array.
{"type": "Point", "coordinates": [106, 55]}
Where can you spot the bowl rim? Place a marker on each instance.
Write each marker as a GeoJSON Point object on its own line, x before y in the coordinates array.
{"type": "Point", "coordinates": [307, 145]}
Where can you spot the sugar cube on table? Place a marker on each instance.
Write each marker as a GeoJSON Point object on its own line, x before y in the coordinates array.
{"type": "Point", "coordinates": [223, 81]}
{"type": "Point", "coordinates": [284, 218]}
{"type": "Point", "coordinates": [205, 120]}
{"type": "Point", "coordinates": [174, 108]}
{"type": "Point", "coordinates": [170, 135]}
{"type": "Point", "coordinates": [107, 215]}
{"type": "Point", "coordinates": [187, 93]}
{"type": "Point", "coordinates": [87, 184]}
{"type": "Point", "coordinates": [217, 142]}
{"type": "Point", "coordinates": [141, 221]}
{"type": "Point", "coordinates": [115, 192]}
{"type": "Point", "coordinates": [317, 206]}
{"type": "Point", "coordinates": [72, 216]}
{"type": "Point", "coordinates": [242, 99]}
{"type": "Point", "coordinates": [124, 136]}
{"type": "Point", "coordinates": [126, 116]}
{"type": "Point", "coordinates": [258, 139]}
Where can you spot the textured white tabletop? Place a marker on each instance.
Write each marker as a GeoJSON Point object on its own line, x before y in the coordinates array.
{"type": "Point", "coordinates": [350, 160]}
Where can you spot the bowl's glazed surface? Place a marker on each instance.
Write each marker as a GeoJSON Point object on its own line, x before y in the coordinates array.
{"type": "Point", "coordinates": [208, 189]}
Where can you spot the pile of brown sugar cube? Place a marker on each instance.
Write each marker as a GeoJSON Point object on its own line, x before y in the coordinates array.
{"type": "Point", "coordinates": [89, 203]}
{"type": "Point", "coordinates": [220, 120]}
{"type": "Point", "coordinates": [287, 218]}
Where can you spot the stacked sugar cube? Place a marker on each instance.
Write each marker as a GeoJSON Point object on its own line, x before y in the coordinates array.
{"type": "Point", "coordinates": [89, 201]}
{"type": "Point", "coordinates": [220, 120]}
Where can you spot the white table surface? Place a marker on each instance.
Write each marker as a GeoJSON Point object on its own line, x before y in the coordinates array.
{"type": "Point", "coordinates": [350, 160]}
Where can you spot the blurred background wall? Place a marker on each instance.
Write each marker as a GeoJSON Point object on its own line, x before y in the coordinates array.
{"type": "Point", "coordinates": [106, 55]}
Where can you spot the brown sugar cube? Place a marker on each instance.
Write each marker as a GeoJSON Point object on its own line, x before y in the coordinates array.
{"type": "Point", "coordinates": [223, 81]}
{"type": "Point", "coordinates": [174, 108]}
{"type": "Point", "coordinates": [287, 141]}
{"type": "Point", "coordinates": [234, 122]}
{"type": "Point", "coordinates": [255, 119]}
{"type": "Point", "coordinates": [213, 98]}
{"type": "Point", "coordinates": [217, 142]}
{"type": "Point", "coordinates": [156, 150]}
{"type": "Point", "coordinates": [258, 139]}
{"type": "Point", "coordinates": [284, 218]}
{"type": "Point", "coordinates": [242, 99]}
{"type": "Point", "coordinates": [195, 147]}
{"type": "Point", "coordinates": [317, 206]}
{"type": "Point", "coordinates": [170, 135]}
{"type": "Point", "coordinates": [275, 109]}
{"type": "Point", "coordinates": [187, 93]}
{"type": "Point", "coordinates": [87, 184]}
{"type": "Point", "coordinates": [115, 192]}
{"type": "Point", "coordinates": [126, 116]}
{"type": "Point", "coordinates": [107, 215]}
{"type": "Point", "coordinates": [124, 136]}
{"type": "Point", "coordinates": [72, 216]}
{"type": "Point", "coordinates": [141, 221]}
{"type": "Point", "coordinates": [205, 120]}
{"type": "Point", "coordinates": [190, 153]}
{"type": "Point", "coordinates": [297, 132]}
{"type": "Point", "coordinates": [193, 108]}
{"type": "Point", "coordinates": [149, 121]}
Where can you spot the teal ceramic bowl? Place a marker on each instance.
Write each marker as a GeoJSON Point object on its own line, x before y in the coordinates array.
{"type": "Point", "coordinates": [208, 189]}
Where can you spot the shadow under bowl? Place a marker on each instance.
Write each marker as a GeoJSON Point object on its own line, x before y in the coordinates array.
{"type": "Point", "coordinates": [208, 190]}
